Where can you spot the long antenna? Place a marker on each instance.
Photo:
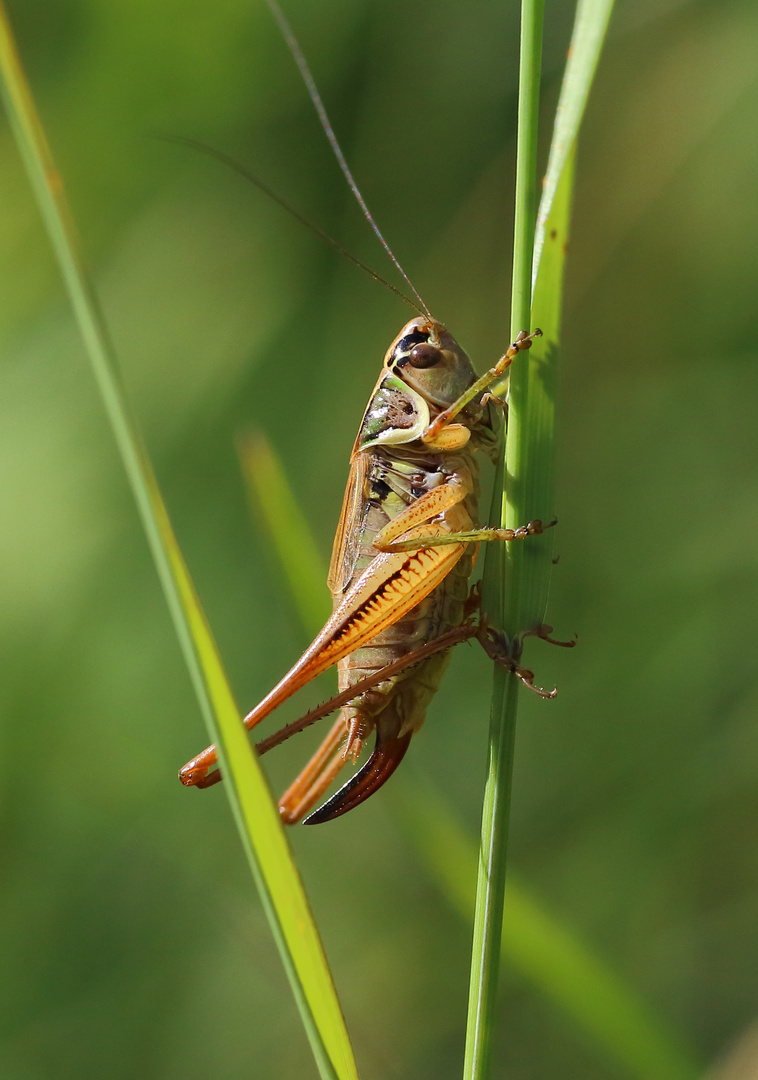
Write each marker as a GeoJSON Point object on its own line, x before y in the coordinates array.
{"type": "Point", "coordinates": [219, 155]}
{"type": "Point", "coordinates": [305, 71]}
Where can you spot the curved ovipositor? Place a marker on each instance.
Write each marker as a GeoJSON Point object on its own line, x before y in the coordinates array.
{"type": "Point", "coordinates": [387, 754]}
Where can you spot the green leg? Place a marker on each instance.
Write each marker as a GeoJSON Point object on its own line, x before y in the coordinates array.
{"type": "Point", "coordinates": [474, 536]}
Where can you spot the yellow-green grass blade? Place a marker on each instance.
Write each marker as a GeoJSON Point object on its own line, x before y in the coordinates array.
{"type": "Point", "coordinates": [273, 502]}
{"type": "Point", "coordinates": [262, 835]}
{"type": "Point", "coordinates": [590, 28]}
{"type": "Point", "coordinates": [536, 944]}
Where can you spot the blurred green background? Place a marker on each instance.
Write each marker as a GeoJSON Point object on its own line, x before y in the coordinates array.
{"type": "Point", "coordinates": [132, 941]}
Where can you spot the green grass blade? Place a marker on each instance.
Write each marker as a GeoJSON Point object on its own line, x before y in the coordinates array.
{"type": "Point", "coordinates": [267, 849]}
{"type": "Point", "coordinates": [488, 909]}
{"type": "Point", "coordinates": [544, 951]}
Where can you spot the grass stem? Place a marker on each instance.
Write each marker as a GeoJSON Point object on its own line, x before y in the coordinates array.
{"type": "Point", "coordinates": [488, 913]}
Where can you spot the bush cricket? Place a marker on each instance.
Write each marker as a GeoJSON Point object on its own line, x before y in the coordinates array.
{"type": "Point", "coordinates": [403, 554]}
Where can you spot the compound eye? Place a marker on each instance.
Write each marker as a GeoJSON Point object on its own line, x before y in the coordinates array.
{"type": "Point", "coordinates": [425, 355]}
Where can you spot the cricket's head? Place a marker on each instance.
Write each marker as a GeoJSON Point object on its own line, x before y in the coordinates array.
{"type": "Point", "coordinates": [425, 370]}
{"type": "Point", "coordinates": [426, 356]}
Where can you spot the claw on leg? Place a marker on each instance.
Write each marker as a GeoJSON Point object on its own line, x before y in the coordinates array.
{"type": "Point", "coordinates": [196, 772]}
{"type": "Point", "coordinates": [496, 648]}
{"type": "Point", "coordinates": [543, 633]}
{"type": "Point", "coordinates": [526, 676]}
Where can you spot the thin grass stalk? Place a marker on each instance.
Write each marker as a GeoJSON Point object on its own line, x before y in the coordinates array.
{"type": "Point", "coordinates": [488, 913]}
{"type": "Point", "coordinates": [255, 813]}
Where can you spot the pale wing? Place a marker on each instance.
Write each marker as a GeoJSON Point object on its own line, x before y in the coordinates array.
{"type": "Point", "coordinates": [344, 549]}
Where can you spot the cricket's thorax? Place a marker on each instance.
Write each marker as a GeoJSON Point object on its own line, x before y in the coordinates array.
{"type": "Point", "coordinates": [393, 478]}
